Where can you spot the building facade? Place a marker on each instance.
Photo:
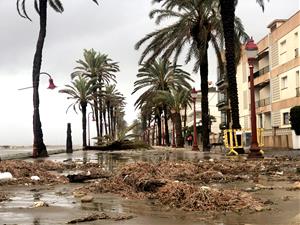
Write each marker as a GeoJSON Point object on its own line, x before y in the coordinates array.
{"type": "Point", "coordinates": [276, 81]}
{"type": "Point", "coordinates": [213, 111]}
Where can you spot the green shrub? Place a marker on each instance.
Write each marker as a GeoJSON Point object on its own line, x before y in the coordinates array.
{"type": "Point", "coordinates": [295, 119]}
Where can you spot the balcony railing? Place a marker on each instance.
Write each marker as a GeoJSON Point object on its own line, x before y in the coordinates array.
{"type": "Point", "coordinates": [222, 100]}
{"type": "Point", "coordinates": [261, 71]}
{"type": "Point", "coordinates": [262, 102]}
{"type": "Point", "coordinates": [298, 92]}
{"type": "Point", "coordinates": [220, 80]}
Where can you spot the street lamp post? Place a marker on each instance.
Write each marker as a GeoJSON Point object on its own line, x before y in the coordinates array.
{"type": "Point", "coordinates": [93, 119]}
{"type": "Point", "coordinates": [37, 150]}
{"type": "Point", "coordinates": [173, 111]}
{"type": "Point", "coordinates": [51, 83]}
{"type": "Point", "coordinates": [251, 51]}
{"type": "Point", "coordinates": [195, 143]}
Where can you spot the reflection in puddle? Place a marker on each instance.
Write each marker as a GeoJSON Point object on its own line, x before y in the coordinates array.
{"type": "Point", "coordinates": [62, 207]}
{"type": "Point", "coordinates": [26, 199]}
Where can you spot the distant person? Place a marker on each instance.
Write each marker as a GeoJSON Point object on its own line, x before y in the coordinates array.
{"type": "Point", "coordinates": [190, 140]}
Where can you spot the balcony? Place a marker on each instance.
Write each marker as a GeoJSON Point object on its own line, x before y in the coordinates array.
{"type": "Point", "coordinates": [298, 92]}
{"type": "Point", "coordinates": [222, 101]}
{"type": "Point", "coordinates": [262, 71]}
{"type": "Point", "coordinates": [262, 102]}
{"type": "Point", "coordinates": [263, 105]}
{"type": "Point", "coordinates": [222, 82]}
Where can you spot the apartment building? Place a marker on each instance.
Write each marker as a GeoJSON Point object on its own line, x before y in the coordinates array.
{"type": "Point", "coordinates": [276, 81]}
{"type": "Point", "coordinates": [213, 111]}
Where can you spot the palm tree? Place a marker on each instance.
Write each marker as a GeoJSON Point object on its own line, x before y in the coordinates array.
{"type": "Point", "coordinates": [39, 148]}
{"type": "Point", "coordinates": [101, 66]}
{"type": "Point", "coordinates": [176, 100]}
{"type": "Point", "coordinates": [196, 23]}
{"type": "Point", "coordinates": [81, 91]}
{"type": "Point", "coordinates": [227, 10]}
{"type": "Point", "coordinates": [112, 99]}
{"type": "Point", "coordinates": [159, 75]}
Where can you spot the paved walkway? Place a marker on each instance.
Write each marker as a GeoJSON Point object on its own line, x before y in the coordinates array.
{"type": "Point", "coordinates": [26, 152]}
{"type": "Point", "coordinates": [7, 152]}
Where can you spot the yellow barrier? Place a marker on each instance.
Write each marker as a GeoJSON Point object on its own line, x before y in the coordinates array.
{"type": "Point", "coordinates": [233, 139]}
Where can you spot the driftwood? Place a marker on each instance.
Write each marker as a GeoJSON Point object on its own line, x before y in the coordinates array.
{"type": "Point", "coordinates": [80, 178]}
{"type": "Point", "coordinates": [92, 217]}
{"type": "Point", "coordinates": [149, 185]}
{"type": "Point", "coordinates": [119, 145]}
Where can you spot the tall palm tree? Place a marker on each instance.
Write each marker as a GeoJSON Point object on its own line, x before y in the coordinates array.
{"type": "Point", "coordinates": [81, 91]}
{"type": "Point", "coordinates": [196, 22]}
{"type": "Point", "coordinates": [96, 64]}
{"type": "Point", "coordinates": [159, 75]}
{"type": "Point", "coordinates": [39, 148]}
{"type": "Point", "coordinates": [227, 10]}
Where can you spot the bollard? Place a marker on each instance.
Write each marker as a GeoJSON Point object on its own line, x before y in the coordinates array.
{"type": "Point", "coordinates": [69, 139]}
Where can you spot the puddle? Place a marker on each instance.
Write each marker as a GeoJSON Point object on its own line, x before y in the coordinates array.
{"type": "Point", "coordinates": [64, 207]}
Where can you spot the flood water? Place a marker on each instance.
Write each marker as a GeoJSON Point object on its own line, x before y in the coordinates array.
{"type": "Point", "coordinates": [64, 207]}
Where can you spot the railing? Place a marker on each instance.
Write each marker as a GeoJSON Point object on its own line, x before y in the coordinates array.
{"type": "Point", "coordinates": [262, 102]}
{"type": "Point", "coordinates": [261, 71]}
{"type": "Point", "coordinates": [220, 80]}
{"type": "Point", "coordinates": [222, 100]}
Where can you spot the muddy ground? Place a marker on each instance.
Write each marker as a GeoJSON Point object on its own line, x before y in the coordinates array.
{"type": "Point", "coordinates": [202, 191]}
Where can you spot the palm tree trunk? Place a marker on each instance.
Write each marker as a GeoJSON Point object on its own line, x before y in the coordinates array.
{"type": "Point", "coordinates": [228, 14]}
{"type": "Point", "coordinates": [109, 118]}
{"type": "Point", "coordinates": [178, 129]}
{"type": "Point", "coordinates": [83, 108]}
{"type": "Point", "coordinates": [158, 121]}
{"type": "Point", "coordinates": [96, 109]}
{"type": "Point", "coordinates": [167, 136]}
{"type": "Point", "coordinates": [100, 107]}
{"type": "Point", "coordinates": [113, 122]}
{"type": "Point", "coordinates": [105, 122]}
{"type": "Point", "coordinates": [39, 148]}
{"type": "Point", "coordinates": [184, 120]}
{"type": "Point", "coordinates": [204, 100]}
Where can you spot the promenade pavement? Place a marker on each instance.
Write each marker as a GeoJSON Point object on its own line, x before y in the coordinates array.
{"type": "Point", "coordinates": [23, 152]}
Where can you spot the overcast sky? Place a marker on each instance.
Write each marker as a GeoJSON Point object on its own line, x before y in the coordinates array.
{"type": "Point", "coordinates": [112, 28]}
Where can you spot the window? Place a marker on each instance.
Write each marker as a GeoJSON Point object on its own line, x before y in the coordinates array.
{"type": "Point", "coordinates": [296, 52]}
{"type": "Point", "coordinates": [223, 117]}
{"type": "Point", "coordinates": [297, 84]}
{"type": "Point", "coordinates": [286, 118]}
{"type": "Point", "coordinates": [283, 46]}
{"type": "Point", "coordinates": [260, 116]}
{"type": "Point", "coordinates": [283, 52]}
{"type": "Point", "coordinates": [284, 82]}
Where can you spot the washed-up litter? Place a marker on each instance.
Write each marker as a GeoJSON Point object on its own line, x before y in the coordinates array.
{"type": "Point", "coordinates": [28, 173]}
{"type": "Point", "coordinates": [34, 178]}
{"type": "Point", "coordinates": [101, 216]}
{"type": "Point", "coordinates": [5, 176]}
{"type": "Point", "coordinates": [40, 204]}
{"type": "Point", "coordinates": [3, 197]}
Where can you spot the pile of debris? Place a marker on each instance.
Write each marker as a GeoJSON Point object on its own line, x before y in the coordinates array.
{"type": "Point", "coordinates": [31, 173]}
{"type": "Point", "coordinates": [150, 181]}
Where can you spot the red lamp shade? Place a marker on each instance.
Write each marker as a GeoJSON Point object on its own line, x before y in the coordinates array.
{"type": "Point", "coordinates": [194, 93]}
{"type": "Point", "coordinates": [251, 49]}
{"type": "Point", "coordinates": [51, 84]}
